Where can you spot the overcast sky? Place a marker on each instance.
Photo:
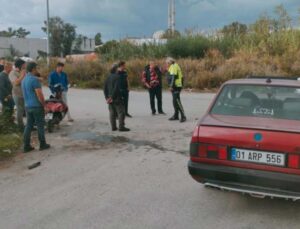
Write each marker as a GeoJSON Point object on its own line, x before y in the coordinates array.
{"type": "Point", "coordinates": [116, 19]}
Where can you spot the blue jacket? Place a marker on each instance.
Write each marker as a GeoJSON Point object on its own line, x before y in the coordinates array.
{"type": "Point", "coordinates": [55, 78]}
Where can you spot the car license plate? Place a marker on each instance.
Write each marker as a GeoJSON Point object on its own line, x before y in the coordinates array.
{"type": "Point", "coordinates": [49, 116]}
{"type": "Point", "coordinates": [269, 158]}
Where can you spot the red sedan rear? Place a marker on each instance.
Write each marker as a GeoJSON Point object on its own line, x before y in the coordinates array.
{"type": "Point", "coordinates": [249, 140]}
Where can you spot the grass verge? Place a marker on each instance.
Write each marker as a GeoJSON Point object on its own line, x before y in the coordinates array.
{"type": "Point", "coordinates": [9, 143]}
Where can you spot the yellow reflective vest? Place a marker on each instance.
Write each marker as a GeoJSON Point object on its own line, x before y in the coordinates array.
{"type": "Point", "coordinates": [175, 71]}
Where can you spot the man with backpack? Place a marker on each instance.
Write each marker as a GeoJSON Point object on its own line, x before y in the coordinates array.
{"type": "Point", "coordinates": [152, 80]}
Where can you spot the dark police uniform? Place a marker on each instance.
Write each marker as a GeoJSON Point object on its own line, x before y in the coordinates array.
{"type": "Point", "coordinates": [176, 83]}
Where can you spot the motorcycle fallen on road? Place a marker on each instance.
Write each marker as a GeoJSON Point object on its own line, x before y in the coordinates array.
{"type": "Point", "coordinates": [56, 109]}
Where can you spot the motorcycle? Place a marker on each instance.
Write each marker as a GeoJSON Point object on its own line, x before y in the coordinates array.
{"type": "Point", "coordinates": [56, 109]}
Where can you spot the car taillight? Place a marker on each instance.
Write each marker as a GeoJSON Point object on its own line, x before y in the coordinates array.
{"type": "Point", "coordinates": [208, 151]}
{"type": "Point", "coordinates": [213, 151]}
{"type": "Point", "coordinates": [202, 150]}
{"type": "Point", "coordinates": [294, 161]}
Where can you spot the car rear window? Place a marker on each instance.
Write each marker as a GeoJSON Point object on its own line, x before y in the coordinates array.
{"type": "Point", "coordinates": [258, 101]}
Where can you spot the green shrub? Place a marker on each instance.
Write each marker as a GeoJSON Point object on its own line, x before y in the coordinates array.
{"type": "Point", "coordinates": [188, 46]}
{"type": "Point", "coordinates": [123, 50]}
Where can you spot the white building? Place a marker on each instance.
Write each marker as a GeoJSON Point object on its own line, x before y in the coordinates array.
{"type": "Point", "coordinates": [156, 39]}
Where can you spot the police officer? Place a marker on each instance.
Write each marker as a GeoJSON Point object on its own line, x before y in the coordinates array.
{"type": "Point", "coordinates": [175, 79]}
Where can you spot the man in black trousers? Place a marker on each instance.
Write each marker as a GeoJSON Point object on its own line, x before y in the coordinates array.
{"type": "Point", "coordinates": [152, 79]}
{"type": "Point", "coordinates": [124, 85]}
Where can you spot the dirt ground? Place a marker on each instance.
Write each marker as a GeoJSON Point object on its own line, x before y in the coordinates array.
{"type": "Point", "coordinates": [95, 178]}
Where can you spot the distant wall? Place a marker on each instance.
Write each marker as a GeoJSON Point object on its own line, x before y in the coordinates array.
{"type": "Point", "coordinates": [88, 45]}
{"type": "Point", "coordinates": [31, 46]}
{"type": "Point", "coordinates": [25, 46]}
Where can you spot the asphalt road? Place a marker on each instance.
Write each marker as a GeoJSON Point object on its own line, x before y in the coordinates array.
{"type": "Point", "coordinates": [92, 178]}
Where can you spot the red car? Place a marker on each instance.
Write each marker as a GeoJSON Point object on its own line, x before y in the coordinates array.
{"type": "Point", "coordinates": [249, 140]}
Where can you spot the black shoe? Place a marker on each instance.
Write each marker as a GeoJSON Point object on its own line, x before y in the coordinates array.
{"type": "Point", "coordinates": [28, 149]}
{"type": "Point", "coordinates": [173, 118]}
{"type": "Point", "coordinates": [44, 147]}
{"type": "Point", "coordinates": [153, 113]}
{"type": "Point", "coordinates": [162, 113]}
{"type": "Point", "coordinates": [114, 129]}
{"type": "Point", "coordinates": [128, 116]}
{"type": "Point", "coordinates": [124, 129]}
{"type": "Point", "coordinates": [183, 119]}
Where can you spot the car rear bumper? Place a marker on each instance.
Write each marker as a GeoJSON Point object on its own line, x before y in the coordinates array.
{"type": "Point", "coordinates": [254, 182]}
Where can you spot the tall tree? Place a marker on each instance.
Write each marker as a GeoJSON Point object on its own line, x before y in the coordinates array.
{"type": "Point", "coordinates": [234, 29]}
{"type": "Point", "coordinates": [7, 33]}
{"type": "Point", "coordinates": [284, 20]}
{"type": "Point", "coordinates": [77, 44]}
{"type": "Point", "coordinates": [98, 39]}
{"type": "Point", "coordinates": [10, 32]}
{"type": "Point", "coordinates": [62, 36]}
{"type": "Point", "coordinates": [21, 32]}
{"type": "Point", "coordinates": [68, 39]}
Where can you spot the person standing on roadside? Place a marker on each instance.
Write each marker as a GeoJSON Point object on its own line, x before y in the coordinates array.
{"type": "Point", "coordinates": [16, 76]}
{"type": "Point", "coordinates": [175, 83]}
{"type": "Point", "coordinates": [60, 77]}
{"type": "Point", "coordinates": [6, 93]}
{"type": "Point", "coordinates": [152, 79]}
{"type": "Point", "coordinates": [35, 108]}
{"type": "Point", "coordinates": [124, 85]}
{"type": "Point", "coordinates": [115, 100]}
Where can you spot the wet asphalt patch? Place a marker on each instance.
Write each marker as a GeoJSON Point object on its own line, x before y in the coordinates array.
{"type": "Point", "coordinates": [106, 140]}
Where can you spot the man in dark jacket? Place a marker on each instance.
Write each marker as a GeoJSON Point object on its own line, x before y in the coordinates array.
{"type": "Point", "coordinates": [6, 93]}
{"type": "Point", "coordinates": [115, 100]}
{"type": "Point", "coordinates": [124, 85]}
{"type": "Point", "coordinates": [152, 79]}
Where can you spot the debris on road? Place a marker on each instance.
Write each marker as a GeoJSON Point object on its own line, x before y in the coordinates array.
{"type": "Point", "coordinates": [34, 165]}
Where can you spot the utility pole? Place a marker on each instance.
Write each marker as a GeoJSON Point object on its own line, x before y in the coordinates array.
{"type": "Point", "coordinates": [48, 35]}
{"type": "Point", "coordinates": [171, 16]}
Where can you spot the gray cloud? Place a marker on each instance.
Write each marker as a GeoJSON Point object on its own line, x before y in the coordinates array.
{"type": "Point", "coordinates": [120, 18]}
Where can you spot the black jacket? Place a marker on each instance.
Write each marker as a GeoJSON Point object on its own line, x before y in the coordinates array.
{"type": "Point", "coordinates": [5, 86]}
{"type": "Point", "coordinates": [112, 87]}
{"type": "Point", "coordinates": [123, 81]}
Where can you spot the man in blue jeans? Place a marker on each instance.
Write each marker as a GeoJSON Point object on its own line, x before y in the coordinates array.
{"type": "Point", "coordinates": [34, 105]}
